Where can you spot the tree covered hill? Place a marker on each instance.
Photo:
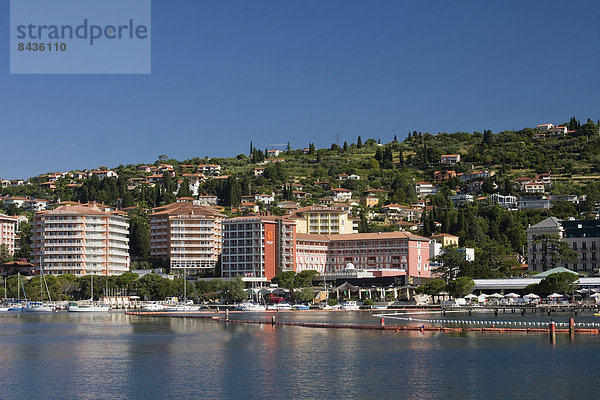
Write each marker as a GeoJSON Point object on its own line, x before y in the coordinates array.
{"type": "Point", "coordinates": [572, 159]}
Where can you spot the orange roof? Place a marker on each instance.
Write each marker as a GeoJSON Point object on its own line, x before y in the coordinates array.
{"type": "Point", "coordinates": [361, 236]}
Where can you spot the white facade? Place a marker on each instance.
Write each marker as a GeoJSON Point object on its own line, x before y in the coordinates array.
{"type": "Point", "coordinates": [423, 189]}
{"type": "Point", "coordinates": [504, 201]}
{"type": "Point", "coordinates": [81, 240]}
{"type": "Point", "coordinates": [341, 194]}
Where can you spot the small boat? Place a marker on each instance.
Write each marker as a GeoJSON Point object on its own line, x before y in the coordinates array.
{"type": "Point", "coordinates": [301, 307]}
{"type": "Point", "coordinates": [250, 307]}
{"type": "Point", "coordinates": [350, 306]}
{"type": "Point", "coordinates": [596, 314]}
{"type": "Point", "coordinates": [283, 306]}
{"type": "Point", "coordinates": [3, 309]}
{"type": "Point", "coordinates": [328, 307]}
{"type": "Point", "coordinates": [182, 308]}
{"type": "Point", "coordinates": [154, 307]}
{"type": "Point", "coordinates": [86, 308]}
{"type": "Point", "coordinates": [379, 307]}
{"type": "Point", "coordinates": [38, 308]}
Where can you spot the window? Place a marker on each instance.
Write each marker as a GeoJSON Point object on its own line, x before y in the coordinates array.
{"type": "Point", "coordinates": [574, 245]}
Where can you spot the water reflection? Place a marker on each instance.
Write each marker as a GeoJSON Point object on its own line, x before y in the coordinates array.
{"type": "Point", "coordinates": [117, 356]}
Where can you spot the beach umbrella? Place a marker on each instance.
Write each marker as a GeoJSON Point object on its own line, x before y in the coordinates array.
{"type": "Point", "coordinates": [595, 295]}
{"type": "Point", "coordinates": [554, 296]}
{"type": "Point", "coordinates": [531, 296]}
{"type": "Point", "coordinates": [496, 296]}
{"type": "Point", "coordinates": [470, 296]}
{"type": "Point", "coordinates": [512, 296]}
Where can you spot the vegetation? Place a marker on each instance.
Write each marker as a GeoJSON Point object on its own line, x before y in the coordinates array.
{"type": "Point", "coordinates": [291, 280]}
{"type": "Point", "coordinates": [497, 234]}
{"type": "Point", "coordinates": [560, 282]}
{"type": "Point", "coordinates": [460, 287]}
{"type": "Point", "coordinates": [149, 287]}
{"type": "Point", "coordinates": [433, 287]}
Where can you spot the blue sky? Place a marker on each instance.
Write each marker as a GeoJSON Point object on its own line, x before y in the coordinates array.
{"type": "Point", "coordinates": [225, 73]}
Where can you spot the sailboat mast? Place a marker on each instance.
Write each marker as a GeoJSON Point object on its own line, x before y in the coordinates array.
{"type": "Point", "coordinates": [92, 281]}
{"type": "Point", "coordinates": [41, 283]}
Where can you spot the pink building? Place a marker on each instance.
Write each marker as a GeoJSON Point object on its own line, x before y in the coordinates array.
{"type": "Point", "coordinates": [8, 232]}
{"type": "Point", "coordinates": [383, 254]}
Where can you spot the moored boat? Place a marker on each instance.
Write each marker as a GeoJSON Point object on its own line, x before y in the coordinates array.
{"type": "Point", "coordinates": [87, 308]}
{"type": "Point", "coordinates": [154, 307]}
{"type": "Point", "coordinates": [182, 308]}
{"type": "Point", "coordinates": [349, 306]}
{"type": "Point", "coordinates": [379, 307]}
{"type": "Point", "coordinates": [250, 307]}
{"type": "Point", "coordinates": [38, 308]}
{"type": "Point", "coordinates": [301, 307]}
{"type": "Point", "coordinates": [283, 306]}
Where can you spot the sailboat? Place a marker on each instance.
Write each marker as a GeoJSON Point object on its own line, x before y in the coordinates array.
{"type": "Point", "coordinates": [18, 306]}
{"type": "Point", "coordinates": [40, 307]}
{"type": "Point", "coordinates": [186, 306]}
{"type": "Point", "coordinates": [88, 308]}
{"type": "Point", "coordinates": [2, 309]}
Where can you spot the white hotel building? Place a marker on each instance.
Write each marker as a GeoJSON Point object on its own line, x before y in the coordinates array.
{"type": "Point", "coordinates": [81, 239]}
{"type": "Point", "coordinates": [187, 235]}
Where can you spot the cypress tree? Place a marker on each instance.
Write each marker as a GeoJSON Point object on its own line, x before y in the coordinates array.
{"type": "Point", "coordinates": [359, 143]}
{"type": "Point", "coordinates": [426, 226]}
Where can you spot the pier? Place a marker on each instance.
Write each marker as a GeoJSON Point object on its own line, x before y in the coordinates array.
{"type": "Point", "coordinates": [478, 326]}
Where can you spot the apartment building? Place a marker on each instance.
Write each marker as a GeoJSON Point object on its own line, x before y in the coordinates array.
{"type": "Point", "coordinates": [583, 236]}
{"type": "Point", "coordinates": [507, 201]}
{"type": "Point", "coordinates": [425, 188]}
{"type": "Point", "coordinates": [186, 235]}
{"type": "Point", "coordinates": [322, 220]}
{"type": "Point", "coordinates": [209, 169]}
{"type": "Point", "coordinates": [8, 232]}
{"type": "Point", "coordinates": [450, 158]}
{"type": "Point", "coordinates": [383, 254]}
{"type": "Point", "coordinates": [81, 239]}
{"type": "Point", "coordinates": [258, 248]}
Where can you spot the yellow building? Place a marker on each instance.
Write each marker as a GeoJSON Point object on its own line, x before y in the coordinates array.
{"type": "Point", "coordinates": [446, 239]}
{"type": "Point", "coordinates": [369, 201]}
{"type": "Point", "coordinates": [322, 220]}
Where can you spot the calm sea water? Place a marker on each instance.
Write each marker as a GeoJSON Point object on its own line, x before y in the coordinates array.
{"type": "Point", "coordinates": [114, 356]}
